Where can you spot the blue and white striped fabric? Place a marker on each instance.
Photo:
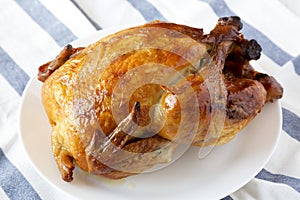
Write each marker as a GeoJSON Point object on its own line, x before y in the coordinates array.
{"type": "Point", "coordinates": [32, 31]}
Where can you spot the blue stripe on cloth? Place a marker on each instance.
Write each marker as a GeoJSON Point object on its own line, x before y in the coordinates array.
{"type": "Point", "coordinates": [13, 183]}
{"type": "Point", "coordinates": [270, 49]}
{"type": "Point", "coordinates": [148, 11]}
{"type": "Point", "coordinates": [279, 178]}
{"type": "Point", "coordinates": [291, 124]}
{"type": "Point", "coordinates": [14, 75]}
{"type": "Point", "coordinates": [97, 27]}
{"type": "Point", "coordinates": [43, 17]}
{"type": "Point", "coordinates": [296, 63]}
{"type": "Point", "coordinates": [227, 198]}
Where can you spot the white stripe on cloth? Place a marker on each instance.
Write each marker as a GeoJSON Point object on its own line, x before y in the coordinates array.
{"type": "Point", "coordinates": [291, 84]}
{"type": "Point", "coordinates": [3, 195]}
{"type": "Point", "coordinates": [265, 190]}
{"type": "Point", "coordinates": [8, 90]}
{"type": "Point", "coordinates": [3, 121]}
{"type": "Point", "coordinates": [73, 19]}
{"type": "Point", "coordinates": [9, 123]}
{"type": "Point", "coordinates": [26, 42]}
{"type": "Point", "coordinates": [292, 5]}
{"type": "Point", "coordinates": [111, 13]}
{"type": "Point", "coordinates": [280, 24]}
{"type": "Point", "coordinates": [194, 13]}
{"type": "Point", "coordinates": [8, 104]}
{"type": "Point", "coordinates": [285, 161]}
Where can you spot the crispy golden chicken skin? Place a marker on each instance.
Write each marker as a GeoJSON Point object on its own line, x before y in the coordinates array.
{"type": "Point", "coordinates": [123, 104]}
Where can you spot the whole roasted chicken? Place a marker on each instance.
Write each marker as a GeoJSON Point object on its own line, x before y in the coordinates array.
{"type": "Point", "coordinates": [123, 104]}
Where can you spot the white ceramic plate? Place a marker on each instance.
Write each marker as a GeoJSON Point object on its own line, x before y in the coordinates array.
{"type": "Point", "coordinates": [223, 171]}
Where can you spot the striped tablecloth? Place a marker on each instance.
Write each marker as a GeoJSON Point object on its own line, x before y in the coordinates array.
{"type": "Point", "coordinates": [33, 31]}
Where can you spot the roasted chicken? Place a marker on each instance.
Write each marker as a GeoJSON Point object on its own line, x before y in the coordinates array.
{"type": "Point", "coordinates": [123, 104]}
